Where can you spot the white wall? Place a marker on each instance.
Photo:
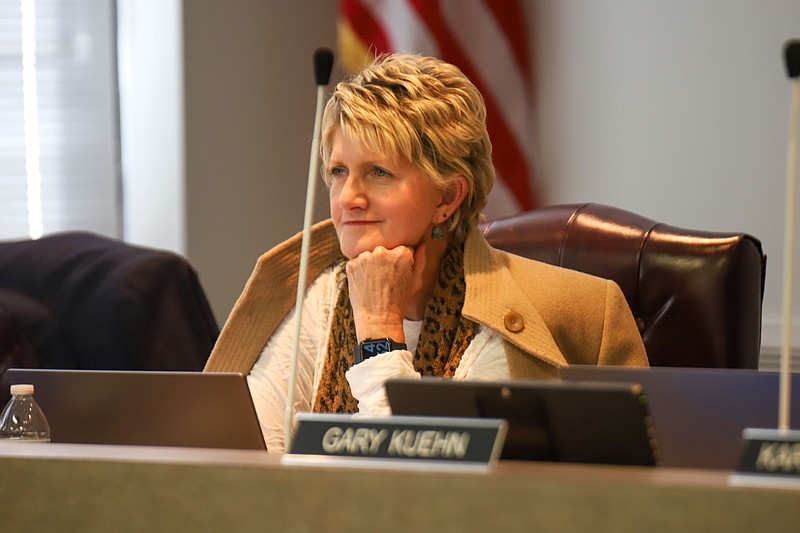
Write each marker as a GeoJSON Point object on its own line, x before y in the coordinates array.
{"type": "Point", "coordinates": [676, 110]}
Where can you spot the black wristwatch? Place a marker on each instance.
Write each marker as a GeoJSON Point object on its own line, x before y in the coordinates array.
{"type": "Point", "coordinates": [370, 347]}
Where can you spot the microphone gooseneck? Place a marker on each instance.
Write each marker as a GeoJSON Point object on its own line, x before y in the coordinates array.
{"type": "Point", "coordinates": [323, 63]}
{"type": "Point", "coordinates": [792, 56]}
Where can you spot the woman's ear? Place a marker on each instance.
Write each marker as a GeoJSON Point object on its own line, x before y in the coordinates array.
{"type": "Point", "coordinates": [454, 194]}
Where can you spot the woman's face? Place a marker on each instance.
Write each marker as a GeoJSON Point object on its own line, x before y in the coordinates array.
{"type": "Point", "coordinates": [377, 201]}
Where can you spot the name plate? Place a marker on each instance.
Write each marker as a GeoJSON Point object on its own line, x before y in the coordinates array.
{"type": "Point", "coordinates": [396, 441]}
{"type": "Point", "coordinates": [771, 455]}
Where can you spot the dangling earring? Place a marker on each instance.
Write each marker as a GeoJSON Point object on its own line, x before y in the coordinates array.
{"type": "Point", "coordinates": [438, 231]}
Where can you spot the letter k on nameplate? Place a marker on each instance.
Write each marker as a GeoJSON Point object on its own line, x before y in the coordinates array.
{"type": "Point", "coordinates": [396, 442]}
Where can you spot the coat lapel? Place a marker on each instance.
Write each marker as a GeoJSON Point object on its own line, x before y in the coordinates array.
{"type": "Point", "coordinates": [269, 294]}
{"type": "Point", "coordinates": [495, 300]}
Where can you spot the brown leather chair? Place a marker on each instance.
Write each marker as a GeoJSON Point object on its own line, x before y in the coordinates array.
{"type": "Point", "coordinates": [696, 295]}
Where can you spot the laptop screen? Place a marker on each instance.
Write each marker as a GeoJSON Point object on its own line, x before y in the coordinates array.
{"type": "Point", "coordinates": [699, 413]}
{"type": "Point", "coordinates": [191, 409]}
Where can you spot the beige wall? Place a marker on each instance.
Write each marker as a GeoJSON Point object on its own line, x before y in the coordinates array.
{"type": "Point", "coordinates": [249, 105]}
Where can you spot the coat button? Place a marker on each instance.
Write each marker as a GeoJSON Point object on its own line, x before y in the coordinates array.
{"type": "Point", "coordinates": [514, 322]}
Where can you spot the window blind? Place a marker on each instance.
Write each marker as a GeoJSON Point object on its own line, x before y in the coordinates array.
{"type": "Point", "coordinates": [59, 134]}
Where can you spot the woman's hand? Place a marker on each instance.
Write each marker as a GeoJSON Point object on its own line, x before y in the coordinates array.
{"type": "Point", "coordinates": [382, 284]}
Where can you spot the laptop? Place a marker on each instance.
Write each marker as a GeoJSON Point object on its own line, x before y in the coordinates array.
{"type": "Point", "coordinates": [699, 414]}
{"type": "Point", "coordinates": [190, 409]}
{"type": "Point", "coordinates": [547, 421]}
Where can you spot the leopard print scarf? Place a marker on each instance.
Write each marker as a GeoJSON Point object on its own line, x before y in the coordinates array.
{"type": "Point", "coordinates": [444, 336]}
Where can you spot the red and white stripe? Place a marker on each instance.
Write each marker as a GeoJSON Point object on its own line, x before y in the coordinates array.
{"type": "Point", "coordinates": [487, 40]}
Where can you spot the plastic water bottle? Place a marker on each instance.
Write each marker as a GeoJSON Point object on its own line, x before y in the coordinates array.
{"type": "Point", "coordinates": [22, 419]}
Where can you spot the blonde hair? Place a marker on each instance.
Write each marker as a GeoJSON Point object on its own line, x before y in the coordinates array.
{"type": "Point", "coordinates": [424, 111]}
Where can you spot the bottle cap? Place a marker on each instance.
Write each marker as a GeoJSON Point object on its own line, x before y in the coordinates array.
{"type": "Point", "coordinates": [21, 389]}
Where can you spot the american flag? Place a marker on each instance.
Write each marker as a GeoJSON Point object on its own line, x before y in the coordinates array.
{"type": "Point", "coordinates": [488, 41]}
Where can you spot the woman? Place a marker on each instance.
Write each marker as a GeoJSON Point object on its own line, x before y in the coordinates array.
{"type": "Point", "coordinates": [402, 282]}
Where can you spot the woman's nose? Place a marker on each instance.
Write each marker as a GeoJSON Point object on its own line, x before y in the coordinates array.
{"type": "Point", "coordinates": [352, 194]}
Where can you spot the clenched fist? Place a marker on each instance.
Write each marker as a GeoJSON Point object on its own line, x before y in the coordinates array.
{"type": "Point", "coordinates": [382, 284]}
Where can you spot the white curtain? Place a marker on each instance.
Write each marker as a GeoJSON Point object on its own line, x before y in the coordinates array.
{"type": "Point", "coordinates": [59, 133]}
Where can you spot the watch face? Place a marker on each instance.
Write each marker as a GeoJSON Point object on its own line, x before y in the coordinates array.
{"type": "Point", "coordinates": [370, 348]}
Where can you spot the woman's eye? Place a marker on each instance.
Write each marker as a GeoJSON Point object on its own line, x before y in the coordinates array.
{"type": "Point", "coordinates": [337, 172]}
{"type": "Point", "coordinates": [381, 173]}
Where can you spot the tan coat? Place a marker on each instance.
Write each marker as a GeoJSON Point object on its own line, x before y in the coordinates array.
{"type": "Point", "coordinates": [549, 317]}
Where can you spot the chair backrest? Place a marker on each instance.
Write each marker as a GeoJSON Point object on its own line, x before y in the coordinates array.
{"type": "Point", "coordinates": [81, 301]}
{"type": "Point", "coordinates": [696, 295]}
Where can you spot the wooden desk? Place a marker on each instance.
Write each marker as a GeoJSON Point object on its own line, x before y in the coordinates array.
{"type": "Point", "coordinates": [61, 487]}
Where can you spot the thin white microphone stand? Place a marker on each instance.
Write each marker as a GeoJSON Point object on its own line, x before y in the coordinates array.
{"type": "Point", "coordinates": [785, 394]}
{"type": "Point", "coordinates": [323, 62]}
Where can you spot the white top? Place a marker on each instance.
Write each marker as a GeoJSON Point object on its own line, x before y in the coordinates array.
{"type": "Point", "coordinates": [483, 359]}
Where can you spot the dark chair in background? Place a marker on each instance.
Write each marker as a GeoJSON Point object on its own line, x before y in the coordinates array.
{"type": "Point", "coordinates": [81, 301]}
{"type": "Point", "coordinates": [696, 295]}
